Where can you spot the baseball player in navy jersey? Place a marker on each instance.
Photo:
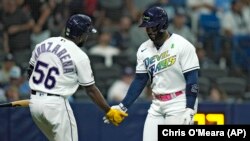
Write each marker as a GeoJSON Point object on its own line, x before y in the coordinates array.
{"type": "Point", "coordinates": [170, 63]}
{"type": "Point", "coordinates": [57, 68]}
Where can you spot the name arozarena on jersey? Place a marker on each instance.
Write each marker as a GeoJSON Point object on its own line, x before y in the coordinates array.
{"type": "Point", "coordinates": [59, 51]}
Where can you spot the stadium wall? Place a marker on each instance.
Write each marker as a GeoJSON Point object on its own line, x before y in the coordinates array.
{"type": "Point", "coordinates": [16, 123]}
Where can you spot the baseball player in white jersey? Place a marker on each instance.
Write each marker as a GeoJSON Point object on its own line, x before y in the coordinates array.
{"type": "Point", "coordinates": [57, 68]}
{"type": "Point", "coordinates": [170, 62]}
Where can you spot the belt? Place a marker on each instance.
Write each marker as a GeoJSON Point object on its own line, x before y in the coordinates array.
{"type": "Point", "coordinates": [168, 96]}
{"type": "Point", "coordinates": [48, 94]}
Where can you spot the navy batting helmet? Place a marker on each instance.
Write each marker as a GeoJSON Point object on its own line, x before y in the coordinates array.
{"type": "Point", "coordinates": [77, 25]}
{"type": "Point", "coordinates": [155, 17]}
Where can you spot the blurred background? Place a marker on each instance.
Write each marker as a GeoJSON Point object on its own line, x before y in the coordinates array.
{"type": "Point", "coordinates": [219, 29]}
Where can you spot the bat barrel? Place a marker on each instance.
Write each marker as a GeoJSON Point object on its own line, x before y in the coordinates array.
{"type": "Point", "coordinates": [18, 103]}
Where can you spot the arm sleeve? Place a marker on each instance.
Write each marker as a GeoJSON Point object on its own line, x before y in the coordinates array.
{"type": "Point", "coordinates": [192, 87]}
{"type": "Point", "coordinates": [135, 89]}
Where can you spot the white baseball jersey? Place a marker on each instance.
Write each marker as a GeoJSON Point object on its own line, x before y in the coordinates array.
{"type": "Point", "coordinates": [167, 65]}
{"type": "Point", "coordinates": [60, 66]}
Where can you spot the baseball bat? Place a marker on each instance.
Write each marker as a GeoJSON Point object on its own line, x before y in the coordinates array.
{"type": "Point", "coordinates": [18, 103]}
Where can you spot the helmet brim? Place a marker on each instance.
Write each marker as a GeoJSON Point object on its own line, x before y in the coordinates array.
{"type": "Point", "coordinates": [148, 24]}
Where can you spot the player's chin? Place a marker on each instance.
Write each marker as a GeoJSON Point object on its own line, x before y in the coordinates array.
{"type": "Point", "coordinates": [152, 37]}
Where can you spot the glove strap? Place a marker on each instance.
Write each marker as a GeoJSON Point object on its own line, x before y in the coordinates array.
{"type": "Point", "coordinates": [123, 107]}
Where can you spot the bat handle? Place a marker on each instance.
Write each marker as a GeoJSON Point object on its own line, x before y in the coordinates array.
{"type": "Point", "coordinates": [6, 105]}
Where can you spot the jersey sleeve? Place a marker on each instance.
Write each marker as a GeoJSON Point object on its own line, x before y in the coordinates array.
{"type": "Point", "coordinates": [140, 67]}
{"type": "Point", "coordinates": [188, 58]}
{"type": "Point", "coordinates": [32, 58]}
{"type": "Point", "coordinates": [84, 72]}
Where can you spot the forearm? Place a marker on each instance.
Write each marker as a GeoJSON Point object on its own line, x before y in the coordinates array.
{"type": "Point", "coordinates": [43, 18]}
{"type": "Point", "coordinates": [97, 97]}
{"type": "Point", "coordinates": [6, 42]}
{"type": "Point", "coordinates": [135, 89]}
{"type": "Point", "coordinates": [26, 26]}
{"type": "Point", "coordinates": [192, 88]}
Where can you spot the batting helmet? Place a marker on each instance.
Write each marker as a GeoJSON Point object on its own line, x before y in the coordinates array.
{"type": "Point", "coordinates": [155, 17]}
{"type": "Point", "coordinates": [77, 25]}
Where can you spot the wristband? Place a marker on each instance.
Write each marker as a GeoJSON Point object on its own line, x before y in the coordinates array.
{"type": "Point", "coordinates": [123, 107]}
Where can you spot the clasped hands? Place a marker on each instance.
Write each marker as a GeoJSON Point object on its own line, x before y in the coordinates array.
{"type": "Point", "coordinates": [116, 114]}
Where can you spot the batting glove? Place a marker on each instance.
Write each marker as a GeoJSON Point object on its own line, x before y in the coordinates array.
{"type": "Point", "coordinates": [120, 108]}
{"type": "Point", "coordinates": [187, 117]}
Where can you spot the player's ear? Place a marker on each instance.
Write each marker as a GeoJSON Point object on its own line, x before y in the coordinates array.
{"type": "Point", "coordinates": [78, 40]}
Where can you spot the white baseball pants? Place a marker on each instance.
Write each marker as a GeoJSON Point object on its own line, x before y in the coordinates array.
{"type": "Point", "coordinates": [54, 117]}
{"type": "Point", "coordinates": [164, 113]}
